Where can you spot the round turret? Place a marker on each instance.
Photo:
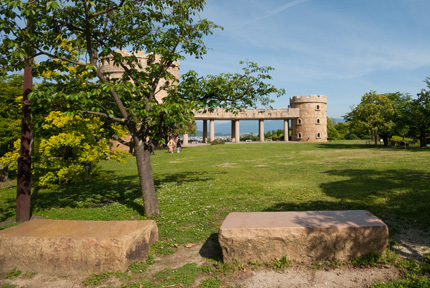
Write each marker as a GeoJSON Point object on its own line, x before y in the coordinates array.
{"type": "Point", "coordinates": [311, 126]}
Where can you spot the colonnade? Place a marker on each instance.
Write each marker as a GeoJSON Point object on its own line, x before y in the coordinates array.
{"type": "Point", "coordinates": [235, 131]}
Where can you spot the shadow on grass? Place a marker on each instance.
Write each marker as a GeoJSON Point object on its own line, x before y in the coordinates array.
{"type": "Point", "coordinates": [124, 190]}
{"type": "Point", "coordinates": [348, 146]}
{"type": "Point", "coordinates": [401, 198]}
{"type": "Point", "coordinates": [184, 177]}
{"type": "Point", "coordinates": [330, 145]}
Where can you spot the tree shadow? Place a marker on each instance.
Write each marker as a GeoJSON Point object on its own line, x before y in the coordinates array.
{"type": "Point", "coordinates": [185, 177]}
{"type": "Point", "coordinates": [401, 198]}
{"type": "Point", "coordinates": [124, 190]}
{"type": "Point", "coordinates": [349, 146]}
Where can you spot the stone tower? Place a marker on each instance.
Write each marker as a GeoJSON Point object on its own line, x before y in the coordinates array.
{"type": "Point", "coordinates": [311, 126]}
{"type": "Point", "coordinates": [107, 66]}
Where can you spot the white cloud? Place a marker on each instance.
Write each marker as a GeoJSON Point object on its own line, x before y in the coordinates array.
{"type": "Point", "coordinates": [279, 10]}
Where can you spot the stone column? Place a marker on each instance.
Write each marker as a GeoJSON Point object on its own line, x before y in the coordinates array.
{"type": "Point", "coordinates": [261, 130]}
{"type": "Point", "coordinates": [205, 131]}
{"type": "Point", "coordinates": [285, 130]}
{"type": "Point", "coordinates": [236, 131]}
{"type": "Point", "coordinates": [185, 138]}
{"type": "Point", "coordinates": [212, 129]}
{"type": "Point", "coordinates": [233, 135]}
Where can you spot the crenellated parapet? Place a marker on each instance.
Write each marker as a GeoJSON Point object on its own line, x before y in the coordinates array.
{"type": "Point", "coordinates": [308, 99]}
{"type": "Point", "coordinates": [106, 63]}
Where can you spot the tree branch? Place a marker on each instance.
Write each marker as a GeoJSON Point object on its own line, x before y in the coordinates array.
{"type": "Point", "coordinates": [120, 120]}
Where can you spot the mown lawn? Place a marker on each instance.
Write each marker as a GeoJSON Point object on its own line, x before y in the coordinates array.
{"type": "Point", "coordinates": [199, 187]}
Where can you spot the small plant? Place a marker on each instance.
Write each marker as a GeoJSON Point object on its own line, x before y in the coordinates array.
{"type": "Point", "coordinates": [7, 285]}
{"type": "Point", "coordinates": [140, 267]}
{"type": "Point", "coordinates": [30, 274]}
{"type": "Point", "coordinates": [211, 283]}
{"type": "Point", "coordinates": [96, 279]}
{"type": "Point", "coordinates": [255, 263]}
{"type": "Point", "coordinates": [13, 273]}
{"type": "Point", "coordinates": [282, 263]}
{"type": "Point", "coordinates": [185, 276]}
{"type": "Point", "coordinates": [206, 269]}
{"type": "Point", "coordinates": [217, 141]}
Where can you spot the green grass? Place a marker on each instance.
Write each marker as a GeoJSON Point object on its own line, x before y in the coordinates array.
{"type": "Point", "coordinates": [197, 188]}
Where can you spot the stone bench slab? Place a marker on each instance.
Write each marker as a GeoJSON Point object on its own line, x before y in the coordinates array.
{"type": "Point", "coordinates": [302, 236]}
{"type": "Point", "coordinates": [64, 246]}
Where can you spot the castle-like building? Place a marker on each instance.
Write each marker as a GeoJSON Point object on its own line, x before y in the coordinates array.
{"type": "Point", "coordinates": [307, 114]}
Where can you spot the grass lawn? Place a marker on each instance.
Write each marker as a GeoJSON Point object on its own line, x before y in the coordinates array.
{"type": "Point", "coordinates": [197, 188]}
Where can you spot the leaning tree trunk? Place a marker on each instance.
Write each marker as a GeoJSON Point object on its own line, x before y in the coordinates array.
{"type": "Point", "coordinates": [143, 159]}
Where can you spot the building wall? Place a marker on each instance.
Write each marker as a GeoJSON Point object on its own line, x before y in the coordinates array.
{"type": "Point", "coordinates": [311, 126]}
{"type": "Point", "coordinates": [106, 65]}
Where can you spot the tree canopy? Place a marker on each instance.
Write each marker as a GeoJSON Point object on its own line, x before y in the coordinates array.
{"type": "Point", "coordinates": [10, 111]}
{"type": "Point", "coordinates": [73, 36]}
{"type": "Point", "coordinates": [374, 115]}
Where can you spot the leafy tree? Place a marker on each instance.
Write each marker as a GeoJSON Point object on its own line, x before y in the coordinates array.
{"type": "Point", "coordinates": [374, 115]}
{"type": "Point", "coordinates": [332, 133]}
{"type": "Point", "coordinates": [275, 135]}
{"type": "Point", "coordinates": [10, 111]}
{"type": "Point", "coordinates": [74, 35]}
{"type": "Point", "coordinates": [65, 144]}
{"type": "Point", "coordinates": [419, 117]}
{"type": "Point", "coordinates": [401, 104]}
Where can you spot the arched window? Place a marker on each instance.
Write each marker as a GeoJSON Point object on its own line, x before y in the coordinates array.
{"type": "Point", "coordinates": [318, 135]}
{"type": "Point", "coordinates": [299, 136]}
{"type": "Point", "coordinates": [318, 108]}
{"type": "Point", "coordinates": [318, 121]}
{"type": "Point", "coordinates": [299, 121]}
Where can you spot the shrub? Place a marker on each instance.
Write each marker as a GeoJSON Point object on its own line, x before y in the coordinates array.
{"type": "Point", "coordinates": [217, 141]}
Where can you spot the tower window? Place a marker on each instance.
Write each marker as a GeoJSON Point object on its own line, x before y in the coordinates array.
{"type": "Point", "coordinates": [318, 108]}
{"type": "Point", "coordinates": [299, 121]}
{"type": "Point", "coordinates": [318, 135]}
{"type": "Point", "coordinates": [299, 136]}
{"type": "Point", "coordinates": [318, 121]}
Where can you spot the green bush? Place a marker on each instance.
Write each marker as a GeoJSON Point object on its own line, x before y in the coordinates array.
{"type": "Point", "coordinates": [217, 141]}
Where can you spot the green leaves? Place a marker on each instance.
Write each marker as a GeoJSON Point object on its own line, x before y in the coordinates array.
{"type": "Point", "coordinates": [231, 91]}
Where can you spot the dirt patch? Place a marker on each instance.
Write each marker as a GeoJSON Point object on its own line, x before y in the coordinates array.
{"type": "Point", "coordinates": [306, 277]}
{"type": "Point", "coordinates": [411, 243]}
{"type": "Point", "coordinates": [227, 164]}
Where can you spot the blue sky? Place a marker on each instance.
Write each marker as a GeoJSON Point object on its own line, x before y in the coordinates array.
{"type": "Point", "coordinates": [337, 48]}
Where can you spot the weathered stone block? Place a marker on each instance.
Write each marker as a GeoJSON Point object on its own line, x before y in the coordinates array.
{"type": "Point", "coordinates": [61, 246]}
{"type": "Point", "coordinates": [302, 236]}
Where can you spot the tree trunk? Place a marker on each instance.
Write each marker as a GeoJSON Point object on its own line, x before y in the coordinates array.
{"type": "Point", "coordinates": [422, 138]}
{"type": "Point", "coordinates": [385, 138]}
{"type": "Point", "coordinates": [143, 159]}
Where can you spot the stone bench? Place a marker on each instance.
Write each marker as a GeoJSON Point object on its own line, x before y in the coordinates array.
{"type": "Point", "coordinates": [302, 236]}
{"type": "Point", "coordinates": [62, 246]}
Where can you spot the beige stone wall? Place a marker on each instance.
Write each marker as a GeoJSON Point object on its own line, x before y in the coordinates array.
{"type": "Point", "coordinates": [311, 126]}
{"type": "Point", "coordinates": [106, 65]}
{"type": "Point", "coordinates": [248, 114]}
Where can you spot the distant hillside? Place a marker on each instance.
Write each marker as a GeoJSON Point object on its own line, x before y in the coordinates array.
{"type": "Point", "coordinates": [338, 120]}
